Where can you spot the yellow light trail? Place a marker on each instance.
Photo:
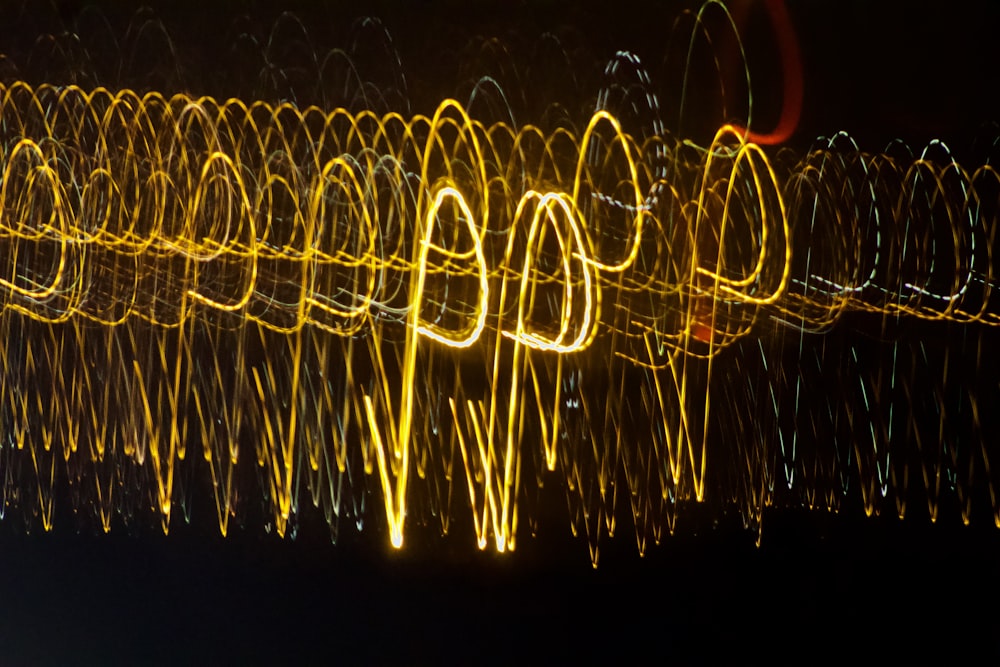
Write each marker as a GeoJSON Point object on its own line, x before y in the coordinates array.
{"type": "Point", "coordinates": [414, 300]}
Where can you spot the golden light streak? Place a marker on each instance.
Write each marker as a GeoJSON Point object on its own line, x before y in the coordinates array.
{"type": "Point", "coordinates": [359, 296]}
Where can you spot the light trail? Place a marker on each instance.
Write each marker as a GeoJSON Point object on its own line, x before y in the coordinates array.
{"type": "Point", "coordinates": [447, 314]}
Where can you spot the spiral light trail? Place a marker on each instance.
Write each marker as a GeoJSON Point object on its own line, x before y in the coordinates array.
{"type": "Point", "coordinates": [425, 318]}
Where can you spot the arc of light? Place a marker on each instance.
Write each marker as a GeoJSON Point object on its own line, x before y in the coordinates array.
{"type": "Point", "coordinates": [634, 180]}
{"type": "Point", "coordinates": [432, 332]}
{"type": "Point", "coordinates": [791, 76]}
{"type": "Point", "coordinates": [57, 213]}
{"type": "Point", "coordinates": [244, 203]}
{"type": "Point", "coordinates": [545, 206]}
{"type": "Point", "coordinates": [401, 426]}
{"type": "Point", "coordinates": [369, 257]}
{"type": "Point", "coordinates": [728, 285]}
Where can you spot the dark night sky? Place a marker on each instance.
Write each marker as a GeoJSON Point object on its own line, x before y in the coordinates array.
{"type": "Point", "coordinates": [820, 586]}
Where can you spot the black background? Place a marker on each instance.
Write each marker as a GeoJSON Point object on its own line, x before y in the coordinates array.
{"type": "Point", "coordinates": [821, 587]}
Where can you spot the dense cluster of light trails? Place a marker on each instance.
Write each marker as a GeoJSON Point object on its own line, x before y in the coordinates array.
{"type": "Point", "coordinates": [427, 318]}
